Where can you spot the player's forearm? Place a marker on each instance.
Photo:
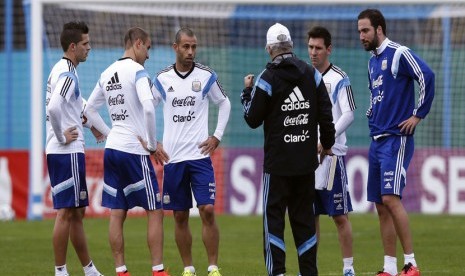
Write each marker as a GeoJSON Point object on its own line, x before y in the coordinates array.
{"type": "Point", "coordinates": [224, 109]}
{"type": "Point", "coordinates": [344, 122]}
{"type": "Point", "coordinates": [150, 124]}
{"type": "Point", "coordinates": [95, 120]}
{"type": "Point", "coordinates": [54, 110]}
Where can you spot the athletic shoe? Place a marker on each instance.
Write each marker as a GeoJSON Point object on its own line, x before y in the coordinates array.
{"type": "Point", "coordinates": [160, 273]}
{"type": "Point", "coordinates": [382, 273]}
{"type": "Point", "coordinates": [188, 273]}
{"type": "Point", "coordinates": [349, 272]}
{"type": "Point", "coordinates": [214, 272]}
{"type": "Point", "coordinates": [126, 273]}
{"type": "Point", "coordinates": [410, 270]}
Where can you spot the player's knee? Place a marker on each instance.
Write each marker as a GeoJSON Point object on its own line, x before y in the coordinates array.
{"type": "Point", "coordinates": [208, 213]}
{"type": "Point", "coordinates": [341, 220]}
{"type": "Point", "coordinates": [390, 201]}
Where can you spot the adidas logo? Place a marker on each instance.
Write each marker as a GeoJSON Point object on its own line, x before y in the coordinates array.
{"type": "Point", "coordinates": [388, 186]}
{"type": "Point", "coordinates": [212, 196]}
{"type": "Point", "coordinates": [170, 89]}
{"type": "Point", "coordinates": [339, 207]}
{"type": "Point", "coordinates": [295, 101]}
{"type": "Point", "coordinates": [113, 83]}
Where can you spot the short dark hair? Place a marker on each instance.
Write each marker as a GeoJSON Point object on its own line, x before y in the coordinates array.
{"type": "Point", "coordinates": [320, 32]}
{"type": "Point", "coordinates": [376, 18]}
{"type": "Point", "coordinates": [72, 33]}
{"type": "Point", "coordinates": [134, 34]}
{"type": "Point", "coordinates": [185, 31]}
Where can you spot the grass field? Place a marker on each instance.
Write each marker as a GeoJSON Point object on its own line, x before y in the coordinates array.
{"type": "Point", "coordinates": [26, 248]}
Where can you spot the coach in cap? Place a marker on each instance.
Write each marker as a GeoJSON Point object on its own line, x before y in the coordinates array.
{"type": "Point", "coordinates": [289, 98]}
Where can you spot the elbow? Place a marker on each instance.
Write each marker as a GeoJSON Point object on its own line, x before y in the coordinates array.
{"type": "Point", "coordinates": [252, 123]}
{"type": "Point", "coordinates": [149, 109]}
{"type": "Point", "coordinates": [350, 117]}
{"type": "Point", "coordinates": [254, 126]}
{"type": "Point", "coordinates": [53, 111]}
{"type": "Point", "coordinates": [149, 113]}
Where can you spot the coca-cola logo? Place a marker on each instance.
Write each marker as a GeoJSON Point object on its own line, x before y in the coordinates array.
{"type": "Point", "coordinates": [187, 101]}
{"type": "Point", "coordinates": [119, 99]}
{"type": "Point", "coordinates": [301, 119]}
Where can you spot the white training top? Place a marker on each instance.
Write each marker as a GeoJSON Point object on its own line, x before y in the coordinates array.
{"type": "Point", "coordinates": [125, 87]}
{"type": "Point", "coordinates": [186, 99]}
{"type": "Point", "coordinates": [340, 92]}
{"type": "Point", "coordinates": [63, 108]}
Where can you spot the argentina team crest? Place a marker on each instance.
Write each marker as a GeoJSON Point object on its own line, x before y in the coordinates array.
{"type": "Point", "coordinates": [384, 64]}
{"type": "Point", "coordinates": [196, 86]}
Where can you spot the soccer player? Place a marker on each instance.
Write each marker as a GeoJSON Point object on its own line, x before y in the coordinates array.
{"type": "Point", "coordinates": [334, 201]}
{"type": "Point", "coordinates": [392, 118]}
{"type": "Point", "coordinates": [289, 98]}
{"type": "Point", "coordinates": [124, 87]}
{"type": "Point", "coordinates": [65, 149]}
{"type": "Point", "coordinates": [186, 88]}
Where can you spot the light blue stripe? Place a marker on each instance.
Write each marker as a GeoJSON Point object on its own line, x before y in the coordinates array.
{"type": "Point", "coordinates": [265, 86]}
{"type": "Point", "coordinates": [341, 84]}
{"type": "Point", "coordinates": [306, 245]}
{"type": "Point", "coordinates": [63, 186]}
{"type": "Point", "coordinates": [209, 84]}
{"type": "Point", "coordinates": [134, 187]}
{"type": "Point", "coordinates": [142, 74]}
{"type": "Point", "coordinates": [277, 242]}
{"type": "Point", "coordinates": [109, 190]}
{"type": "Point", "coordinates": [268, 256]}
{"type": "Point", "coordinates": [159, 87]}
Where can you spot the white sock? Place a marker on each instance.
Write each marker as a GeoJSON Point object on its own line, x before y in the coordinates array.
{"type": "Point", "coordinates": [159, 267]}
{"type": "Point", "coordinates": [122, 268]}
{"type": "Point", "coordinates": [390, 265]}
{"type": "Point", "coordinates": [211, 267]}
{"type": "Point", "coordinates": [410, 258]}
{"type": "Point", "coordinates": [91, 270]}
{"type": "Point", "coordinates": [190, 268]}
{"type": "Point", "coordinates": [348, 264]}
{"type": "Point", "coordinates": [61, 270]}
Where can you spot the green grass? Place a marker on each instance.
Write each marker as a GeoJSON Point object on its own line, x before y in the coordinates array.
{"type": "Point", "coordinates": [26, 247]}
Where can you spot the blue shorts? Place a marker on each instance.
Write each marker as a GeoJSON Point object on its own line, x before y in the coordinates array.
{"type": "Point", "coordinates": [181, 180]}
{"type": "Point", "coordinates": [336, 201]}
{"type": "Point", "coordinates": [388, 159]}
{"type": "Point", "coordinates": [68, 180]}
{"type": "Point", "coordinates": [130, 181]}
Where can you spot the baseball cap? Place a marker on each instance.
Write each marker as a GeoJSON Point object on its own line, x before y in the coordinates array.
{"type": "Point", "coordinates": [277, 33]}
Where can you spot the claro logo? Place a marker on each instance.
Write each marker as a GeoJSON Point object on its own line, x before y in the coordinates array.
{"type": "Point", "coordinates": [184, 118]}
{"type": "Point", "coordinates": [293, 138]}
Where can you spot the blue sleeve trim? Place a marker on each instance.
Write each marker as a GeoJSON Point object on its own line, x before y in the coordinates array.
{"type": "Point", "coordinates": [142, 74]}
{"type": "Point", "coordinates": [264, 85]}
{"type": "Point", "coordinates": [74, 78]}
{"type": "Point", "coordinates": [341, 84]}
{"type": "Point", "coordinates": [159, 87]}
{"type": "Point", "coordinates": [211, 81]}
